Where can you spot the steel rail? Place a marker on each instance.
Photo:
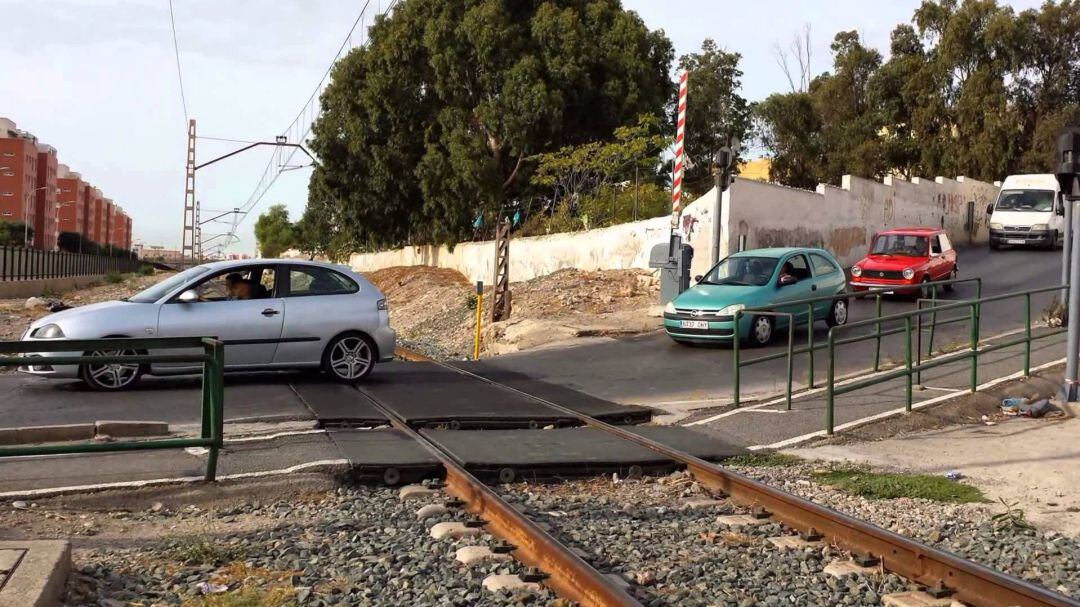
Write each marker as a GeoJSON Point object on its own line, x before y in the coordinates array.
{"type": "Point", "coordinates": [568, 575]}
{"type": "Point", "coordinates": [969, 581]}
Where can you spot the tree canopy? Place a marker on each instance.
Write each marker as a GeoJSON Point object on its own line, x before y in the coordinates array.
{"type": "Point", "coordinates": [434, 121]}
{"type": "Point", "coordinates": [969, 88]}
{"type": "Point", "coordinates": [274, 232]}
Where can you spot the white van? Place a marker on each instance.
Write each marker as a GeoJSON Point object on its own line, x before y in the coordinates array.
{"type": "Point", "coordinates": [1029, 211]}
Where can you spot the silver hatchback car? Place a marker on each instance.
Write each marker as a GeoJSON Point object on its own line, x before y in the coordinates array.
{"type": "Point", "coordinates": [270, 313]}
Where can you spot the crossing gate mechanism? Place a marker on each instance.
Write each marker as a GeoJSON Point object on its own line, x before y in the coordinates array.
{"type": "Point", "coordinates": [500, 300]}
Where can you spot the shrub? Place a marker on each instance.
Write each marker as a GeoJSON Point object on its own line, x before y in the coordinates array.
{"type": "Point", "coordinates": [114, 278]}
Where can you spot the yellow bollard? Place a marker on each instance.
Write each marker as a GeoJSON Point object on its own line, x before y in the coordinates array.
{"type": "Point", "coordinates": [479, 317]}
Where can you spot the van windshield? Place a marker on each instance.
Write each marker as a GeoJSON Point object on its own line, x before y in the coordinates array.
{"type": "Point", "coordinates": [741, 271]}
{"type": "Point", "coordinates": [1036, 201]}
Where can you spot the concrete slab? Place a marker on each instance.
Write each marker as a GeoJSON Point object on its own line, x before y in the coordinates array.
{"type": "Point", "coordinates": [9, 558]}
{"type": "Point", "coordinates": [915, 599]}
{"type": "Point", "coordinates": [508, 582]}
{"type": "Point", "coordinates": [40, 576]}
{"type": "Point", "coordinates": [741, 520]}
{"type": "Point", "coordinates": [131, 429]}
{"type": "Point", "coordinates": [475, 555]}
{"type": "Point", "coordinates": [848, 567]}
{"type": "Point", "coordinates": [579, 401]}
{"type": "Point", "coordinates": [338, 405]}
{"type": "Point", "coordinates": [411, 492]}
{"type": "Point", "coordinates": [381, 448]}
{"type": "Point", "coordinates": [453, 530]}
{"type": "Point", "coordinates": [793, 542]}
{"type": "Point", "coordinates": [425, 394]}
{"type": "Point", "coordinates": [571, 450]}
{"type": "Point", "coordinates": [53, 434]}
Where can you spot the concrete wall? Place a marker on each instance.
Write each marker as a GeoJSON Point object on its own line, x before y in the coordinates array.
{"type": "Point", "coordinates": [841, 219]}
{"type": "Point", "coordinates": [33, 288]}
{"type": "Point", "coordinates": [844, 219]}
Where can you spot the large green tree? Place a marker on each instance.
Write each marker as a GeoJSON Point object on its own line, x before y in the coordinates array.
{"type": "Point", "coordinates": [715, 112]}
{"type": "Point", "coordinates": [433, 122]}
{"type": "Point", "coordinates": [274, 232]}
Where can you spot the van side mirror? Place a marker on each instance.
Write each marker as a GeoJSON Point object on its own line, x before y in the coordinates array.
{"type": "Point", "coordinates": [990, 209]}
{"type": "Point", "coordinates": [189, 296]}
{"type": "Point", "coordinates": [1059, 209]}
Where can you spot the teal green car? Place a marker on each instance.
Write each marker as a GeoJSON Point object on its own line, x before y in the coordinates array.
{"type": "Point", "coordinates": [758, 279]}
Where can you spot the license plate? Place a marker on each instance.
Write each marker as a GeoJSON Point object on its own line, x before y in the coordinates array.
{"type": "Point", "coordinates": [694, 324]}
{"type": "Point", "coordinates": [1015, 241]}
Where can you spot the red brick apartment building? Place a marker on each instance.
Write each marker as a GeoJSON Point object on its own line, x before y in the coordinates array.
{"type": "Point", "coordinates": [51, 198]}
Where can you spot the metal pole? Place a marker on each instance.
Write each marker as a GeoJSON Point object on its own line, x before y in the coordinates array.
{"type": "Point", "coordinates": [829, 397]}
{"type": "Point", "coordinates": [479, 319]}
{"type": "Point", "coordinates": [1070, 387]}
{"type": "Point", "coordinates": [1066, 251]}
{"type": "Point", "coordinates": [718, 208]}
{"type": "Point", "coordinates": [1027, 335]}
{"type": "Point", "coordinates": [736, 338]}
{"type": "Point", "coordinates": [791, 356]}
{"type": "Point", "coordinates": [974, 346]}
{"type": "Point", "coordinates": [907, 362]}
{"type": "Point", "coordinates": [809, 344]}
{"type": "Point", "coordinates": [877, 350]}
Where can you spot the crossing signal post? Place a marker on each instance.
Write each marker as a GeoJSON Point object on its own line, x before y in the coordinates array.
{"type": "Point", "coordinates": [1068, 175]}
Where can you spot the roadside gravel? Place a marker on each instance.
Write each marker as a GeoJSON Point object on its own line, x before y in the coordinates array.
{"type": "Point", "coordinates": [355, 546]}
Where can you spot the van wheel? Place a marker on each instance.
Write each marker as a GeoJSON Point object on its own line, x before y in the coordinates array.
{"type": "Point", "coordinates": [348, 358]}
{"type": "Point", "coordinates": [761, 330]}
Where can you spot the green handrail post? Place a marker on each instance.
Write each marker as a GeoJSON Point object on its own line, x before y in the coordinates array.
{"type": "Point", "coordinates": [877, 351]}
{"type": "Point", "coordinates": [809, 344]}
{"type": "Point", "coordinates": [831, 379]}
{"type": "Point", "coordinates": [1027, 334]}
{"type": "Point", "coordinates": [207, 394]}
{"type": "Point", "coordinates": [215, 351]}
{"type": "Point", "coordinates": [907, 361]}
{"type": "Point", "coordinates": [791, 356]}
{"type": "Point", "coordinates": [918, 343]}
{"type": "Point", "coordinates": [735, 339]}
{"type": "Point", "coordinates": [974, 346]}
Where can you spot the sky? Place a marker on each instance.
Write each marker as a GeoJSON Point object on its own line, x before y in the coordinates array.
{"type": "Point", "coordinates": [97, 79]}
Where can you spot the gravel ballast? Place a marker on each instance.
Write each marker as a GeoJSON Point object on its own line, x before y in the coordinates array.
{"type": "Point", "coordinates": [361, 546]}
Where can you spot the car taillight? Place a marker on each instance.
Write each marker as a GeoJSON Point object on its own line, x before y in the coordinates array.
{"type": "Point", "coordinates": [383, 305]}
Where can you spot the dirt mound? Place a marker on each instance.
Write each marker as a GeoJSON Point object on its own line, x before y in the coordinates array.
{"type": "Point", "coordinates": [434, 309]}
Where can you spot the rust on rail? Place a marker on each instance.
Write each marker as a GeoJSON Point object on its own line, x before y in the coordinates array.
{"type": "Point", "coordinates": [568, 575]}
{"type": "Point", "coordinates": [971, 582]}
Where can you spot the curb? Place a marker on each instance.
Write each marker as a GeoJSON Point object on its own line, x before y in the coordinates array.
{"type": "Point", "coordinates": [37, 574]}
{"type": "Point", "coordinates": [411, 356]}
{"type": "Point", "coordinates": [81, 432]}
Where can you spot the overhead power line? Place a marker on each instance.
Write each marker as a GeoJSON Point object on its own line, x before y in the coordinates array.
{"type": "Point", "coordinates": [300, 127]}
{"type": "Point", "coordinates": [179, 72]}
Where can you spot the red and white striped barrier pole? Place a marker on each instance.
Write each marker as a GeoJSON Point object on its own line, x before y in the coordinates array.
{"type": "Point", "coordinates": [680, 156]}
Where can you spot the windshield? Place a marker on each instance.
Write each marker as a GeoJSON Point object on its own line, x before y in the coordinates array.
{"type": "Point", "coordinates": [744, 271]}
{"type": "Point", "coordinates": [1036, 201]}
{"type": "Point", "coordinates": [905, 245]}
{"type": "Point", "coordinates": [162, 288]}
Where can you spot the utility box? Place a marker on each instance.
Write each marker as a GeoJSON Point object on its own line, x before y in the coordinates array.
{"type": "Point", "coordinates": [674, 272]}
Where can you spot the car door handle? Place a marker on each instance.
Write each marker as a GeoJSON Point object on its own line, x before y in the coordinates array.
{"type": "Point", "coordinates": [813, 287]}
{"type": "Point", "coordinates": [270, 312]}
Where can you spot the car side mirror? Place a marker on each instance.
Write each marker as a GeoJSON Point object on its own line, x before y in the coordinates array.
{"type": "Point", "coordinates": [189, 296]}
{"type": "Point", "coordinates": [788, 279]}
{"type": "Point", "coordinates": [990, 209]}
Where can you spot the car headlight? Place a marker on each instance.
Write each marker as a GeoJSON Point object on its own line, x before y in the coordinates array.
{"type": "Point", "coordinates": [49, 331]}
{"type": "Point", "coordinates": [996, 226]}
{"type": "Point", "coordinates": [856, 271]}
{"type": "Point", "coordinates": [731, 310]}
{"type": "Point", "coordinates": [1040, 227]}
{"type": "Point", "coordinates": [909, 273]}
{"type": "Point", "coordinates": [669, 308]}
{"type": "Point", "coordinates": [382, 305]}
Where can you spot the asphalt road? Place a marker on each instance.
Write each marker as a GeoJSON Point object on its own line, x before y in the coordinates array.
{"type": "Point", "coordinates": [651, 369]}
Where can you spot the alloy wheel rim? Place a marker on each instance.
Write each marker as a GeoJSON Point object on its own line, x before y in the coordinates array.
{"type": "Point", "coordinates": [762, 330]}
{"type": "Point", "coordinates": [840, 313]}
{"type": "Point", "coordinates": [350, 358]}
{"type": "Point", "coordinates": [113, 375]}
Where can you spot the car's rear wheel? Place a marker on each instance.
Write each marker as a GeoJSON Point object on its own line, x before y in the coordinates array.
{"type": "Point", "coordinates": [110, 377]}
{"type": "Point", "coordinates": [838, 314]}
{"type": "Point", "coordinates": [761, 330]}
{"type": "Point", "coordinates": [949, 288]}
{"type": "Point", "coordinates": [348, 358]}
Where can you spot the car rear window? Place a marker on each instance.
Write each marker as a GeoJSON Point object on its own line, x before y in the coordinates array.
{"type": "Point", "coordinates": [313, 280]}
{"type": "Point", "coordinates": [822, 265]}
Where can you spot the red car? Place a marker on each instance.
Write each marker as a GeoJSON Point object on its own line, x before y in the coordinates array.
{"type": "Point", "coordinates": [906, 257]}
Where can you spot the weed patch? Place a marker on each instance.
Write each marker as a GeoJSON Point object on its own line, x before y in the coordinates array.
{"type": "Point", "coordinates": [874, 485]}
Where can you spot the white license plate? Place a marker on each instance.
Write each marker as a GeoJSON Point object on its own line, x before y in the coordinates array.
{"type": "Point", "coordinates": [1015, 241]}
{"type": "Point", "coordinates": [694, 324]}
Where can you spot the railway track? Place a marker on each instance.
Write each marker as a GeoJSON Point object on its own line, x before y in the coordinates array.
{"type": "Point", "coordinates": [756, 507]}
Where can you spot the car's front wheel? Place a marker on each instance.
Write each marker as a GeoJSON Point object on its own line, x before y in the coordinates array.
{"type": "Point", "coordinates": [110, 377]}
{"type": "Point", "coordinates": [349, 357]}
{"type": "Point", "coordinates": [761, 330]}
{"type": "Point", "coordinates": [838, 314]}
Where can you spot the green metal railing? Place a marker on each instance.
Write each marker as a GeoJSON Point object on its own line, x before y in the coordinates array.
{"type": "Point", "coordinates": [811, 346]}
{"type": "Point", "coordinates": [212, 359]}
{"type": "Point", "coordinates": [912, 368]}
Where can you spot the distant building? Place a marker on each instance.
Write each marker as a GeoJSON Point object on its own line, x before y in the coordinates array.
{"type": "Point", "coordinates": [18, 174]}
{"type": "Point", "coordinates": [72, 201]}
{"type": "Point", "coordinates": [157, 252]}
{"type": "Point", "coordinates": [45, 209]}
{"type": "Point", "coordinates": [756, 169]}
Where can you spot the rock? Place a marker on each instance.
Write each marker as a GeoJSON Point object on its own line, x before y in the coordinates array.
{"type": "Point", "coordinates": [36, 303]}
{"type": "Point", "coordinates": [19, 505]}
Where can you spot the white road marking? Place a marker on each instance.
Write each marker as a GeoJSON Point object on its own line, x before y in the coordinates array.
{"type": "Point", "coordinates": [920, 405]}
{"type": "Point", "coordinates": [52, 491]}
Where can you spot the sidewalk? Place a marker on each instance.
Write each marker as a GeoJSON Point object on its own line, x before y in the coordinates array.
{"type": "Point", "coordinates": [769, 425]}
